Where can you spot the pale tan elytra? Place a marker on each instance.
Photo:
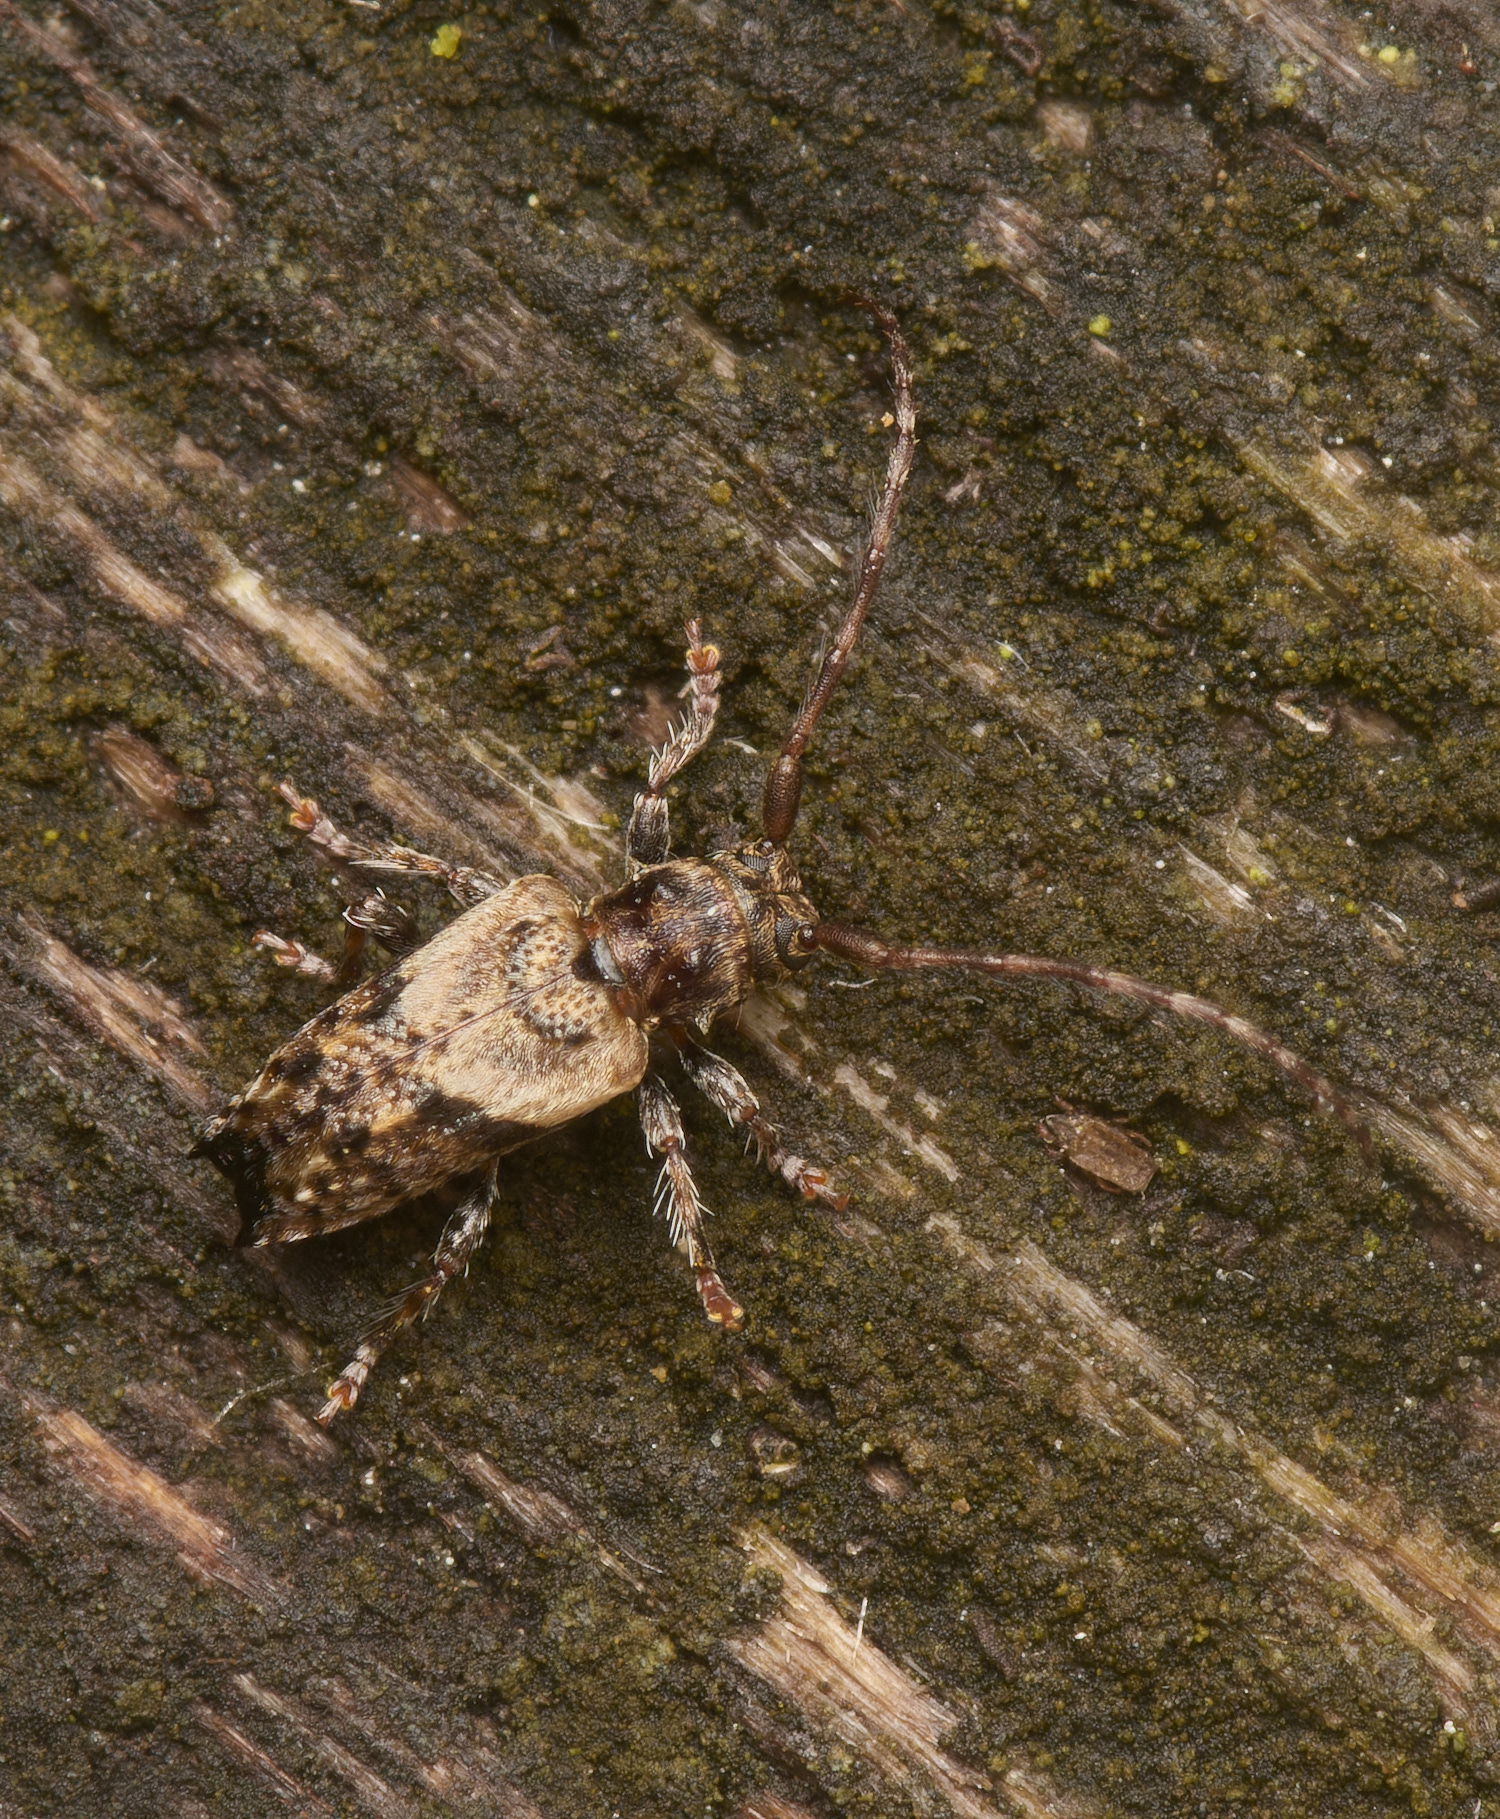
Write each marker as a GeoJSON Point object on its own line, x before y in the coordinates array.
{"type": "Point", "coordinates": [529, 1009]}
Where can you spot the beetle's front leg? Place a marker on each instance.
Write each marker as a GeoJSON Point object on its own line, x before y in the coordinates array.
{"type": "Point", "coordinates": [648, 839]}
{"type": "Point", "coordinates": [727, 1088]}
{"type": "Point", "coordinates": [661, 1120]}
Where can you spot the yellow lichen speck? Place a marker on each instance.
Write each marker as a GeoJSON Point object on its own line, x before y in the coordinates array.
{"type": "Point", "coordinates": [445, 41]}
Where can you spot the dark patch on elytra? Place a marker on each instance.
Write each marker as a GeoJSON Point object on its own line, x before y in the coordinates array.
{"type": "Point", "coordinates": [327, 1097]}
{"type": "Point", "coordinates": [439, 1125]}
{"type": "Point", "coordinates": [296, 1065]}
{"type": "Point", "coordinates": [242, 1162]}
{"type": "Point", "coordinates": [452, 1117]}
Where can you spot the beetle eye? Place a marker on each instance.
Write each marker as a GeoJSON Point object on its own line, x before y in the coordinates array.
{"type": "Point", "coordinates": [768, 847]}
{"type": "Point", "coordinates": [789, 949]}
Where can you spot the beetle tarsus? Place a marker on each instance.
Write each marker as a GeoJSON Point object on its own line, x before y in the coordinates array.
{"type": "Point", "coordinates": [343, 1392]}
{"type": "Point", "coordinates": [720, 1306]}
{"type": "Point", "coordinates": [294, 955]}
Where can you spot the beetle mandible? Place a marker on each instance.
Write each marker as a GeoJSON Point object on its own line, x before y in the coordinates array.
{"type": "Point", "coordinates": [529, 1009]}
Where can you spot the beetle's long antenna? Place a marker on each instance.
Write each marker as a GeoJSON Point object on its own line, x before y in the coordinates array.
{"type": "Point", "coordinates": [868, 950]}
{"type": "Point", "coordinates": [784, 781]}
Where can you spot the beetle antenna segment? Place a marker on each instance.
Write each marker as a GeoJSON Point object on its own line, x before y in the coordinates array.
{"type": "Point", "coordinates": [868, 950]}
{"type": "Point", "coordinates": [784, 780]}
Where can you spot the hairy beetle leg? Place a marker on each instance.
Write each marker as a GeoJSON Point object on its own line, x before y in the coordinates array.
{"type": "Point", "coordinates": [726, 1087]}
{"type": "Point", "coordinates": [466, 884]}
{"type": "Point", "coordinates": [461, 1238]}
{"type": "Point", "coordinates": [677, 1195]}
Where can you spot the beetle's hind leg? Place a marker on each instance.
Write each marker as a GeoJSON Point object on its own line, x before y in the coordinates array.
{"type": "Point", "coordinates": [678, 1195]}
{"type": "Point", "coordinates": [461, 1238]}
{"type": "Point", "coordinates": [390, 923]}
{"type": "Point", "coordinates": [727, 1088]}
{"type": "Point", "coordinates": [466, 884]}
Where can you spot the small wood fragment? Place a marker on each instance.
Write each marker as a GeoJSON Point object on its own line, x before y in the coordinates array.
{"type": "Point", "coordinates": [1110, 1155]}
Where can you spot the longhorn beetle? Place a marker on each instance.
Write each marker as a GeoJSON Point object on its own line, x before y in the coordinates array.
{"type": "Point", "coordinates": [529, 1010]}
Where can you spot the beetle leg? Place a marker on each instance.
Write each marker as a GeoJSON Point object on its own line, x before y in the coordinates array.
{"type": "Point", "coordinates": [293, 954]}
{"type": "Point", "coordinates": [466, 884]}
{"type": "Point", "coordinates": [390, 924]}
{"type": "Point", "coordinates": [374, 914]}
{"type": "Point", "coordinates": [727, 1088]}
{"type": "Point", "coordinates": [461, 1238]}
{"type": "Point", "coordinates": [649, 837]}
{"type": "Point", "coordinates": [678, 1194]}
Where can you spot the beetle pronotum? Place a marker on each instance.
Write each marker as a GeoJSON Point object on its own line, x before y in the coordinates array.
{"type": "Point", "coordinates": [530, 1009]}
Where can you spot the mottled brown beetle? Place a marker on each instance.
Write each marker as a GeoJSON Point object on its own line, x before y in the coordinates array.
{"type": "Point", "coordinates": [528, 1010]}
